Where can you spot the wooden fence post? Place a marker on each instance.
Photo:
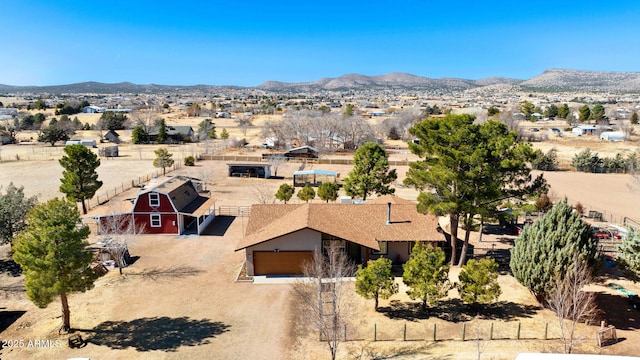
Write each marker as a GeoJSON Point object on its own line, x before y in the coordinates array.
{"type": "Point", "coordinates": [375, 332]}
{"type": "Point", "coordinates": [546, 328]}
{"type": "Point", "coordinates": [404, 336]}
{"type": "Point", "coordinates": [491, 332]}
{"type": "Point", "coordinates": [518, 335]}
{"type": "Point", "coordinates": [434, 332]}
{"type": "Point", "coordinates": [464, 329]}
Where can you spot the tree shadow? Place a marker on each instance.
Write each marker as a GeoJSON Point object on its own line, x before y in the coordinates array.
{"type": "Point", "coordinates": [164, 333]}
{"type": "Point", "coordinates": [9, 317]}
{"type": "Point", "coordinates": [454, 310]}
{"type": "Point", "coordinates": [10, 267]}
{"type": "Point", "coordinates": [170, 272]}
{"type": "Point", "coordinates": [617, 310]}
{"type": "Point", "coordinates": [503, 310]}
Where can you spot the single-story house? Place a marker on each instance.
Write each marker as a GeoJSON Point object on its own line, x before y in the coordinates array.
{"type": "Point", "coordinates": [279, 238]}
{"type": "Point", "coordinates": [172, 206]}
{"type": "Point", "coordinates": [5, 137]}
{"type": "Point", "coordinates": [92, 109]}
{"type": "Point", "coordinates": [174, 133]}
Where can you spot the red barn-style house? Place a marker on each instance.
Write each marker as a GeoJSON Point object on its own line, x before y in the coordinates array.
{"type": "Point", "coordinates": [173, 206]}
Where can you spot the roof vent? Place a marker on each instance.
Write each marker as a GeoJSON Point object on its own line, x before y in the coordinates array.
{"type": "Point", "coordinates": [388, 213]}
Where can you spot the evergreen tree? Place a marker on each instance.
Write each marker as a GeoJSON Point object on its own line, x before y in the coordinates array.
{"type": "Point", "coordinates": [328, 191]}
{"type": "Point", "coordinates": [467, 168]}
{"type": "Point", "coordinates": [370, 173]}
{"type": "Point", "coordinates": [527, 108]}
{"type": "Point", "coordinates": [629, 253]}
{"type": "Point", "coordinates": [306, 193]}
{"type": "Point", "coordinates": [493, 111]}
{"type": "Point", "coordinates": [634, 118]}
{"type": "Point", "coordinates": [79, 178]}
{"type": "Point", "coordinates": [393, 134]}
{"type": "Point", "coordinates": [584, 113]}
{"type": "Point", "coordinates": [162, 132]}
{"type": "Point", "coordinates": [164, 159]}
{"type": "Point", "coordinates": [563, 111]}
{"type": "Point", "coordinates": [376, 280]}
{"type": "Point", "coordinates": [224, 135]}
{"type": "Point", "coordinates": [285, 192]}
{"type": "Point", "coordinates": [139, 135]}
{"type": "Point", "coordinates": [545, 250]}
{"type": "Point", "coordinates": [426, 273]}
{"type": "Point", "coordinates": [479, 282]}
{"type": "Point", "coordinates": [52, 252]}
{"type": "Point", "coordinates": [14, 207]}
{"type": "Point", "coordinates": [52, 134]}
{"type": "Point", "coordinates": [597, 113]}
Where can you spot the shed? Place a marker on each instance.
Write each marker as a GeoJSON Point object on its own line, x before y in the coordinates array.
{"type": "Point", "coordinates": [112, 136]}
{"type": "Point", "coordinates": [313, 177]}
{"type": "Point", "coordinates": [302, 152]}
{"type": "Point", "coordinates": [109, 151]}
{"type": "Point", "coordinates": [257, 170]}
{"type": "Point", "coordinates": [613, 136]}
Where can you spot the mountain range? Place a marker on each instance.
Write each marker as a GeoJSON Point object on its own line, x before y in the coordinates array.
{"type": "Point", "coordinates": [550, 80]}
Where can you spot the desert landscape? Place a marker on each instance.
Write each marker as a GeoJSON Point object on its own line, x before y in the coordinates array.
{"type": "Point", "coordinates": [181, 297]}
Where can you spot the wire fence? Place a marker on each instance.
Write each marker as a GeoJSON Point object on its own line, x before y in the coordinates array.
{"type": "Point", "coordinates": [108, 194]}
{"type": "Point", "coordinates": [461, 331]}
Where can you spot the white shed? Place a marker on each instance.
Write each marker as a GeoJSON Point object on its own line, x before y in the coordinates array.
{"type": "Point", "coordinates": [613, 136]}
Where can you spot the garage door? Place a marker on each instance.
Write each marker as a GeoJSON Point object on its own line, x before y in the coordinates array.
{"type": "Point", "coordinates": [280, 263]}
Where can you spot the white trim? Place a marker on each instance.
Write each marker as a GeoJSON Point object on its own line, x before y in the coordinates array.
{"type": "Point", "coordinates": [157, 217]}
{"type": "Point", "coordinates": [157, 197]}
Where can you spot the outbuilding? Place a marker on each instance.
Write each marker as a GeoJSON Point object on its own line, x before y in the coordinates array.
{"type": "Point", "coordinates": [314, 177]}
{"type": "Point", "coordinates": [613, 136]}
{"type": "Point", "coordinates": [257, 170]}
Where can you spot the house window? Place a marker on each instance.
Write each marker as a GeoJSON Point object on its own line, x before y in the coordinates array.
{"type": "Point", "coordinates": [340, 245]}
{"type": "Point", "coordinates": [383, 248]}
{"type": "Point", "coordinates": [154, 199]}
{"type": "Point", "coordinates": [155, 220]}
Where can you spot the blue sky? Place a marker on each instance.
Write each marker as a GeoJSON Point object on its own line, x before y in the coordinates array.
{"type": "Point", "coordinates": [249, 42]}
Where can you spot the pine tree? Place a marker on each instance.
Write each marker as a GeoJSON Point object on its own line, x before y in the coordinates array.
{"type": "Point", "coordinates": [52, 254]}
{"type": "Point", "coordinates": [376, 280]}
{"type": "Point", "coordinates": [370, 173]}
{"type": "Point", "coordinates": [629, 253]}
{"type": "Point", "coordinates": [426, 273]}
{"type": "Point", "coordinates": [14, 207]}
{"type": "Point", "coordinates": [162, 132]}
{"type": "Point", "coordinates": [479, 282]}
{"type": "Point", "coordinates": [79, 178]}
{"type": "Point", "coordinates": [634, 118]}
{"type": "Point", "coordinates": [163, 159]}
{"type": "Point", "coordinates": [545, 250]}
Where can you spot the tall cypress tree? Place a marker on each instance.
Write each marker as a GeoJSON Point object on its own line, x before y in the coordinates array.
{"type": "Point", "coordinates": [546, 250]}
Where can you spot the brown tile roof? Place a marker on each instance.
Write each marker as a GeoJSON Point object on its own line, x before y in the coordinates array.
{"type": "Point", "coordinates": [384, 199]}
{"type": "Point", "coordinates": [363, 224]}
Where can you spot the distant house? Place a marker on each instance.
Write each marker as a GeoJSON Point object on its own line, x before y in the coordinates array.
{"type": "Point", "coordinates": [174, 133]}
{"type": "Point", "coordinates": [112, 136]}
{"type": "Point", "coordinates": [302, 152]}
{"type": "Point", "coordinates": [173, 206]}
{"type": "Point", "coordinates": [279, 238]}
{"type": "Point", "coordinates": [92, 109]}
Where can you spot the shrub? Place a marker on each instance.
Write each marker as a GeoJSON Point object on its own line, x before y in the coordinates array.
{"type": "Point", "coordinates": [189, 161]}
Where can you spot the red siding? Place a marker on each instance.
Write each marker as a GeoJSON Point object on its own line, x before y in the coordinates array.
{"type": "Point", "coordinates": [142, 204]}
{"type": "Point", "coordinates": [168, 223]}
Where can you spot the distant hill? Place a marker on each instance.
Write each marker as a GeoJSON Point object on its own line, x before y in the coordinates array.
{"type": "Point", "coordinates": [550, 80]}
{"type": "Point", "coordinates": [392, 80]}
{"type": "Point", "coordinates": [581, 80]}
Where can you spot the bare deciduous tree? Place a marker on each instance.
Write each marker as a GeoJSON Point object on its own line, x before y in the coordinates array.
{"type": "Point", "coordinates": [324, 296]}
{"type": "Point", "coordinates": [117, 231]}
{"type": "Point", "coordinates": [572, 304]}
{"type": "Point", "coordinates": [263, 193]}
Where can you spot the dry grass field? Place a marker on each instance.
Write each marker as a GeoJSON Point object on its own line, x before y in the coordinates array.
{"type": "Point", "coordinates": [180, 300]}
